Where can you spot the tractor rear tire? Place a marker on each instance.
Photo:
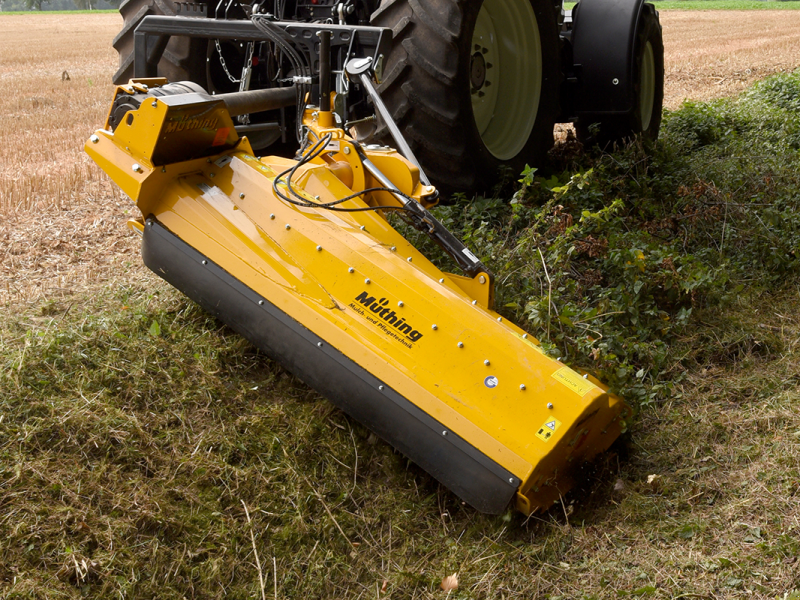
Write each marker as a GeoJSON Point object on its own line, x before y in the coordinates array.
{"type": "Point", "coordinates": [473, 85]}
{"type": "Point", "coordinates": [184, 59]}
{"type": "Point", "coordinates": [648, 76]}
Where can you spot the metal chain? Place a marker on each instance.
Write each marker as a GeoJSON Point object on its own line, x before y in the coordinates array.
{"type": "Point", "coordinates": [248, 68]}
{"type": "Point", "coordinates": [244, 84]}
{"type": "Point", "coordinates": [224, 66]}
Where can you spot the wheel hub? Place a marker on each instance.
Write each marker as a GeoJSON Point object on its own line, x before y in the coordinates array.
{"type": "Point", "coordinates": [477, 71]}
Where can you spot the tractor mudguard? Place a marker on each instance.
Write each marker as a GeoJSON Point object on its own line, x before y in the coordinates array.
{"type": "Point", "coordinates": [603, 39]}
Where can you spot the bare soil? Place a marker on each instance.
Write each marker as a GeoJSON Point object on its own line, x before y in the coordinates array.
{"type": "Point", "coordinates": [61, 219]}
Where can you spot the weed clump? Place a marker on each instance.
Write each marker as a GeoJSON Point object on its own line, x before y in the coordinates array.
{"type": "Point", "coordinates": [618, 257]}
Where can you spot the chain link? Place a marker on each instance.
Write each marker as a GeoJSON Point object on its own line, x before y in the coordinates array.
{"type": "Point", "coordinates": [224, 66]}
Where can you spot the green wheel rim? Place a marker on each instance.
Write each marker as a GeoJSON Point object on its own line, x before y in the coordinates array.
{"type": "Point", "coordinates": [506, 75]}
{"type": "Point", "coordinates": [647, 86]}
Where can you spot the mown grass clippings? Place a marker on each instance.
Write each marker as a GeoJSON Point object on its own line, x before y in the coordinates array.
{"type": "Point", "coordinates": [127, 457]}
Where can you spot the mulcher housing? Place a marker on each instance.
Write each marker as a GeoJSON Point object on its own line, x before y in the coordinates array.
{"type": "Point", "coordinates": [341, 299]}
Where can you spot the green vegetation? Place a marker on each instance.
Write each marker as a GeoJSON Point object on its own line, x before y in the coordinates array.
{"type": "Point", "coordinates": [726, 5]}
{"type": "Point", "coordinates": [623, 253]}
{"type": "Point", "coordinates": [146, 451]}
{"type": "Point", "coordinates": [719, 5]}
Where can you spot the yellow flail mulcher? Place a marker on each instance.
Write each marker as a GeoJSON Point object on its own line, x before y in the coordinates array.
{"type": "Point", "coordinates": [297, 255]}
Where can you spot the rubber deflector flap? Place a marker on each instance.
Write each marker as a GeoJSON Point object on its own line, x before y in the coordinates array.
{"type": "Point", "coordinates": [474, 477]}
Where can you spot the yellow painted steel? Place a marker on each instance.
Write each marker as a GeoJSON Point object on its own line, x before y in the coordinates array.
{"type": "Point", "coordinates": [454, 357]}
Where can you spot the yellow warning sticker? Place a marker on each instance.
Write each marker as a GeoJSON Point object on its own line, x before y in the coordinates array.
{"type": "Point", "coordinates": [548, 428]}
{"type": "Point", "coordinates": [574, 381]}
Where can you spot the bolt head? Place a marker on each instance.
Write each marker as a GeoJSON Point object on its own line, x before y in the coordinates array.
{"type": "Point", "coordinates": [347, 149]}
{"type": "Point", "coordinates": [524, 336]}
{"type": "Point", "coordinates": [434, 327]}
{"type": "Point", "coordinates": [586, 376]}
{"type": "Point", "coordinates": [319, 248]}
{"type": "Point", "coordinates": [136, 168]}
{"type": "Point", "coordinates": [319, 344]}
{"type": "Point", "coordinates": [460, 344]}
{"type": "Point", "coordinates": [486, 362]}
{"type": "Point", "coordinates": [615, 81]}
{"type": "Point", "coordinates": [367, 281]}
{"type": "Point", "coordinates": [154, 104]}
{"type": "Point", "coordinates": [401, 304]}
{"type": "Point", "coordinates": [94, 139]}
{"type": "Point", "coordinates": [287, 226]}
{"type": "Point", "coordinates": [441, 280]}
{"type": "Point", "coordinates": [272, 216]}
{"type": "Point", "coordinates": [241, 196]}
{"type": "Point", "coordinates": [474, 302]}
{"type": "Point", "coordinates": [393, 248]}
{"type": "Point", "coordinates": [362, 228]}
{"type": "Point", "coordinates": [550, 405]}
{"type": "Point", "coordinates": [261, 303]}
{"type": "Point", "coordinates": [499, 319]}
{"type": "Point", "coordinates": [211, 175]}
{"type": "Point", "coordinates": [522, 387]}
{"type": "Point", "coordinates": [409, 259]}
{"type": "Point", "coordinates": [380, 387]}
{"type": "Point", "coordinates": [351, 270]}
{"type": "Point", "coordinates": [204, 262]}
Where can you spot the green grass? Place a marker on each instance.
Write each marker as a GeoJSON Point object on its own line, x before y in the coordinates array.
{"type": "Point", "coordinates": [717, 5]}
{"type": "Point", "coordinates": [130, 451]}
{"type": "Point", "coordinates": [146, 451]}
{"type": "Point", "coordinates": [726, 5]}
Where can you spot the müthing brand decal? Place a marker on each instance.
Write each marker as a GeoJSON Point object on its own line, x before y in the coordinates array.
{"type": "Point", "coordinates": [187, 124]}
{"type": "Point", "coordinates": [378, 312]}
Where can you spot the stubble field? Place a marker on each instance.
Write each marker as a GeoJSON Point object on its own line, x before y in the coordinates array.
{"type": "Point", "coordinates": [61, 220]}
{"type": "Point", "coordinates": [123, 473]}
{"type": "Point", "coordinates": [48, 250]}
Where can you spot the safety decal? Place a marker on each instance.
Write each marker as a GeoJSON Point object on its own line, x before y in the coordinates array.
{"type": "Point", "coordinates": [548, 428]}
{"type": "Point", "coordinates": [221, 137]}
{"type": "Point", "coordinates": [491, 381]}
{"type": "Point", "coordinates": [573, 381]}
